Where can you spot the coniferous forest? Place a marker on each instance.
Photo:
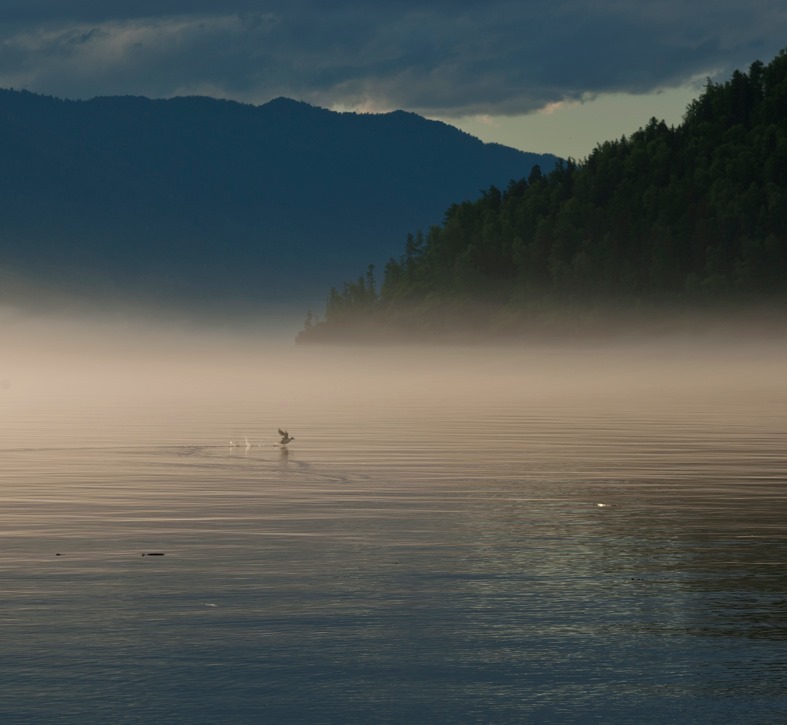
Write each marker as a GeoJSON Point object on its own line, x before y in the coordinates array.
{"type": "Point", "coordinates": [692, 217]}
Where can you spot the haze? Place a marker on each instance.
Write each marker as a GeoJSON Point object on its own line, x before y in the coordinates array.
{"type": "Point", "coordinates": [465, 529]}
{"type": "Point", "coordinates": [125, 357]}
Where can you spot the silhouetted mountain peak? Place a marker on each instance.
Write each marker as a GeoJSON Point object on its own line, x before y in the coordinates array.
{"type": "Point", "coordinates": [288, 104]}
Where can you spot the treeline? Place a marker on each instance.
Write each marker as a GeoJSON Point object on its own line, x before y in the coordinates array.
{"type": "Point", "coordinates": [687, 216]}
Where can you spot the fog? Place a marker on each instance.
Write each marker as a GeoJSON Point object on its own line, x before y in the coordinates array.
{"type": "Point", "coordinates": [113, 355]}
{"type": "Point", "coordinates": [475, 526]}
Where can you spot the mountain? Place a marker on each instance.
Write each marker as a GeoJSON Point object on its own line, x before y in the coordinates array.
{"type": "Point", "coordinates": [202, 199]}
{"type": "Point", "coordinates": [689, 220]}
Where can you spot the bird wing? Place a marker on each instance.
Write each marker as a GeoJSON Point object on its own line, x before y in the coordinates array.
{"type": "Point", "coordinates": [283, 433]}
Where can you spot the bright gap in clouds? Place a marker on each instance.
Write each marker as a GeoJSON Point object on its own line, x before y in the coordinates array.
{"type": "Point", "coordinates": [574, 129]}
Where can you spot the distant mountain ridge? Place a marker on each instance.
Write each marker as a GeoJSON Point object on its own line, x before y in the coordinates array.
{"type": "Point", "coordinates": [201, 198]}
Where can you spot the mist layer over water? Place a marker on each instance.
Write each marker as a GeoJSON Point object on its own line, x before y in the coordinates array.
{"type": "Point", "coordinates": [556, 533]}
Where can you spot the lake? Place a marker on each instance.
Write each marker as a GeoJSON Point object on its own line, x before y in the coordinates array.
{"type": "Point", "coordinates": [558, 534]}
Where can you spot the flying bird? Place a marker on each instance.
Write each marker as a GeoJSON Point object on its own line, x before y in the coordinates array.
{"type": "Point", "coordinates": [285, 437]}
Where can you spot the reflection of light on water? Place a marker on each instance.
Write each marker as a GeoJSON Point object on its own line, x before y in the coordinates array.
{"type": "Point", "coordinates": [500, 537]}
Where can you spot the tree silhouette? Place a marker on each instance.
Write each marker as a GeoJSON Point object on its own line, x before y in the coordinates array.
{"type": "Point", "coordinates": [688, 215]}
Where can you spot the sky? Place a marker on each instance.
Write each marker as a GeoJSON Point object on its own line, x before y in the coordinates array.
{"type": "Point", "coordinates": [553, 76]}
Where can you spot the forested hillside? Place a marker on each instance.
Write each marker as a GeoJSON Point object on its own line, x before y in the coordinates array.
{"type": "Point", "coordinates": [687, 216]}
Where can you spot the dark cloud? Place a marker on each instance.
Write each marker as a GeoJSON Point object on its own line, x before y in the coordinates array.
{"type": "Point", "coordinates": [446, 58]}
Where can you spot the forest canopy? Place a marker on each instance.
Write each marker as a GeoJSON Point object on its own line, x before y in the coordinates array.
{"type": "Point", "coordinates": [686, 216]}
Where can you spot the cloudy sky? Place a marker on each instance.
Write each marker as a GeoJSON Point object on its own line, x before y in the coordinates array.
{"type": "Point", "coordinates": [541, 75]}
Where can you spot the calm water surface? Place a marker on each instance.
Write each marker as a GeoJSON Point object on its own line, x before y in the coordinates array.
{"type": "Point", "coordinates": [431, 548]}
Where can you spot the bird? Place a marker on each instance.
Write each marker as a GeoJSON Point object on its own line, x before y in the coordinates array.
{"type": "Point", "coordinates": [285, 437]}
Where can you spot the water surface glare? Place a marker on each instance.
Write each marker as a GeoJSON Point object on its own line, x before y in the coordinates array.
{"type": "Point", "coordinates": [530, 536]}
